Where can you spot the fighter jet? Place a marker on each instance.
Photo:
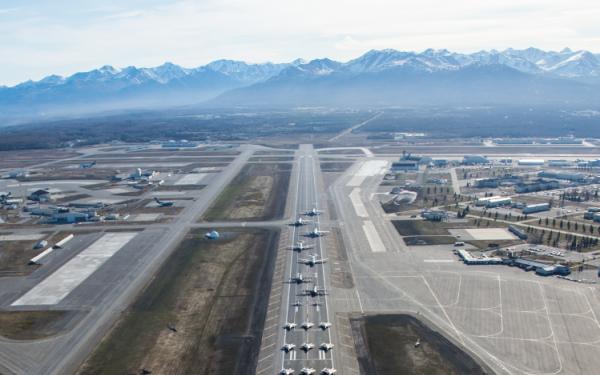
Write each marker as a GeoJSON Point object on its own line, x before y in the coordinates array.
{"type": "Point", "coordinates": [87, 165]}
{"type": "Point", "coordinates": [299, 279]}
{"type": "Point", "coordinates": [312, 261]}
{"type": "Point", "coordinates": [163, 203]}
{"type": "Point", "coordinates": [172, 327]}
{"type": "Point", "coordinates": [300, 222]}
{"type": "Point", "coordinates": [307, 371]}
{"type": "Point", "coordinates": [316, 233]}
{"type": "Point", "coordinates": [212, 235]}
{"type": "Point", "coordinates": [314, 292]}
{"type": "Point", "coordinates": [297, 304]}
{"type": "Point", "coordinates": [286, 371]}
{"type": "Point", "coordinates": [300, 246]}
{"type": "Point", "coordinates": [307, 346]}
{"type": "Point", "coordinates": [289, 326]}
{"type": "Point", "coordinates": [313, 212]}
{"type": "Point", "coordinates": [328, 371]}
{"type": "Point", "coordinates": [326, 346]}
{"type": "Point", "coordinates": [307, 325]}
{"type": "Point", "coordinates": [288, 347]}
{"type": "Point", "coordinates": [324, 325]}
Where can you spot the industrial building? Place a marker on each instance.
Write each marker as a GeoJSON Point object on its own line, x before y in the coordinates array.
{"type": "Point", "coordinates": [475, 159]}
{"type": "Point", "coordinates": [498, 201]}
{"type": "Point", "coordinates": [405, 165]}
{"type": "Point", "coordinates": [531, 162]}
{"type": "Point", "coordinates": [494, 182]}
{"type": "Point", "coordinates": [559, 163]}
{"type": "Point", "coordinates": [591, 211]}
{"type": "Point", "coordinates": [468, 258]}
{"type": "Point", "coordinates": [540, 268]}
{"type": "Point", "coordinates": [569, 176]}
{"type": "Point", "coordinates": [434, 215]}
{"type": "Point", "coordinates": [40, 195]}
{"type": "Point", "coordinates": [179, 144]}
{"type": "Point", "coordinates": [517, 232]}
{"type": "Point", "coordinates": [532, 208]}
{"type": "Point", "coordinates": [537, 185]}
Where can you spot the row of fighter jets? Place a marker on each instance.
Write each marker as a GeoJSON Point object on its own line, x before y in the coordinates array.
{"type": "Point", "coordinates": [311, 261]}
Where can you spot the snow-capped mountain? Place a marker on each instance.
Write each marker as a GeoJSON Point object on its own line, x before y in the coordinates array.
{"type": "Point", "coordinates": [109, 88]}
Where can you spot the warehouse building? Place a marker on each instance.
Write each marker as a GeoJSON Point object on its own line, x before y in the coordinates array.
{"type": "Point", "coordinates": [569, 176]}
{"type": "Point", "coordinates": [517, 232]}
{"type": "Point", "coordinates": [540, 268]}
{"type": "Point", "coordinates": [434, 215]}
{"type": "Point", "coordinates": [538, 185]}
{"type": "Point", "coordinates": [405, 165]}
{"type": "Point", "coordinates": [532, 208]}
{"type": "Point", "coordinates": [498, 202]}
{"type": "Point", "coordinates": [475, 159]}
{"type": "Point", "coordinates": [531, 162]}
{"type": "Point", "coordinates": [468, 258]}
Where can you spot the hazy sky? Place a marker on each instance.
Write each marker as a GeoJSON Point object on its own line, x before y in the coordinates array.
{"type": "Point", "coordinates": [41, 37]}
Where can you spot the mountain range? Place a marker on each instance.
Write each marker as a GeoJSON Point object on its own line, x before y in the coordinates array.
{"type": "Point", "coordinates": [377, 78]}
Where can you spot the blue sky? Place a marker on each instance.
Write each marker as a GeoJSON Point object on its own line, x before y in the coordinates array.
{"type": "Point", "coordinates": [42, 37]}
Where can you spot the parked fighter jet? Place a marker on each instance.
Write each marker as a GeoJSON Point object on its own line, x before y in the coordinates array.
{"type": "Point", "coordinates": [300, 246]}
{"type": "Point", "coordinates": [328, 371]}
{"type": "Point", "coordinates": [326, 346]}
{"type": "Point", "coordinates": [212, 235]}
{"type": "Point", "coordinates": [286, 371]}
{"type": "Point", "coordinates": [312, 261]}
{"type": "Point", "coordinates": [324, 325]}
{"type": "Point", "coordinates": [87, 165]}
{"type": "Point", "coordinates": [163, 203]}
{"type": "Point", "coordinates": [313, 212]}
{"type": "Point", "coordinates": [316, 233]}
{"type": "Point", "coordinates": [300, 279]}
{"type": "Point", "coordinates": [307, 371]}
{"type": "Point", "coordinates": [297, 304]}
{"type": "Point", "coordinates": [314, 292]}
{"type": "Point", "coordinates": [172, 327]}
{"type": "Point", "coordinates": [307, 346]}
{"type": "Point", "coordinates": [288, 347]}
{"type": "Point", "coordinates": [300, 222]}
{"type": "Point", "coordinates": [307, 325]}
{"type": "Point", "coordinates": [289, 326]}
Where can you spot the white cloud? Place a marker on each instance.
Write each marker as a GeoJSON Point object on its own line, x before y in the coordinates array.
{"type": "Point", "coordinates": [191, 33]}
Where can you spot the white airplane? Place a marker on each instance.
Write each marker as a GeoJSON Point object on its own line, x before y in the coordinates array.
{"type": "Point", "coordinates": [163, 203]}
{"type": "Point", "coordinates": [324, 325]}
{"type": "Point", "coordinates": [313, 212]}
{"type": "Point", "coordinates": [286, 371]}
{"type": "Point", "coordinates": [326, 346]}
{"type": "Point", "coordinates": [328, 371]}
{"type": "Point", "coordinates": [289, 326]}
{"type": "Point", "coordinates": [297, 304]}
{"type": "Point", "coordinates": [288, 347]}
{"type": "Point", "coordinates": [307, 346]}
{"type": "Point", "coordinates": [316, 233]}
{"type": "Point", "coordinates": [307, 371]}
{"type": "Point", "coordinates": [312, 261]}
{"type": "Point", "coordinates": [307, 325]}
{"type": "Point", "coordinates": [300, 246]}
{"type": "Point", "coordinates": [300, 222]}
{"type": "Point", "coordinates": [299, 279]}
{"type": "Point", "coordinates": [315, 291]}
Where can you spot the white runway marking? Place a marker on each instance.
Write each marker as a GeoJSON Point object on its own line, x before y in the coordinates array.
{"type": "Point", "coordinates": [359, 207]}
{"type": "Point", "coordinates": [373, 237]}
{"type": "Point", "coordinates": [191, 179]}
{"type": "Point", "coordinates": [57, 286]}
{"type": "Point", "coordinates": [368, 169]}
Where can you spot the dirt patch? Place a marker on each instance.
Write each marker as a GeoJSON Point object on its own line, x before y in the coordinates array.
{"type": "Point", "coordinates": [341, 277]}
{"type": "Point", "coordinates": [214, 293]}
{"type": "Point", "coordinates": [385, 344]}
{"type": "Point", "coordinates": [15, 256]}
{"type": "Point", "coordinates": [258, 192]}
{"type": "Point", "coordinates": [429, 240]}
{"type": "Point", "coordinates": [32, 325]}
